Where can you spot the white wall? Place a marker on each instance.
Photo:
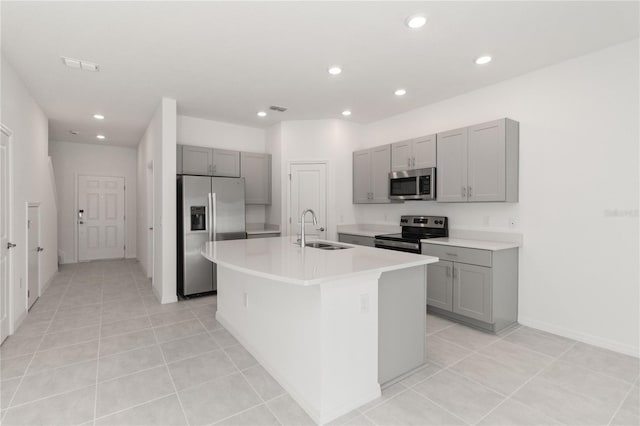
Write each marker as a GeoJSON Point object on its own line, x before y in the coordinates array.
{"type": "Point", "coordinates": [73, 159]}
{"type": "Point", "coordinates": [158, 146]}
{"type": "Point", "coordinates": [330, 140]}
{"type": "Point", "coordinates": [31, 182]}
{"type": "Point", "coordinates": [579, 190]}
{"type": "Point", "coordinates": [216, 134]}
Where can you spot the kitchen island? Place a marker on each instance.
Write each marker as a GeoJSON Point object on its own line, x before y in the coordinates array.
{"type": "Point", "coordinates": [330, 326]}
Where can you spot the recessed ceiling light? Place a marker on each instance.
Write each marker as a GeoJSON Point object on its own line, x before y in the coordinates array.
{"type": "Point", "coordinates": [335, 70]}
{"type": "Point", "coordinates": [262, 114]}
{"type": "Point", "coordinates": [100, 137]}
{"type": "Point", "coordinates": [482, 60]}
{"type": "Point", "coordinates": [400, 92]}
{"type": "Point", "coordinates": [346, 113]}
{"type": "Point", "coordinates": [416, 21]}
{"type": "Point", "coordinates": [98, 116]}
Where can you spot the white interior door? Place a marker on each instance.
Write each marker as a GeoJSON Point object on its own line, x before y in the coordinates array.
{"type": "Point", "coordinates": [33, 261]}
{"type": "Point", "coordinates": [5, 243]}
{"type": "Point", "coordinates": [308, 190]}
{"type": "Point", "coordinates": [100, 218]}
{"type": "Point", "coordinates": [150, 220]}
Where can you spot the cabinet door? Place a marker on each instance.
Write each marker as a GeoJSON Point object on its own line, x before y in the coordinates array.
{"type": "Point", "coordinates": [178, 159]}
{"type": "Point", "coordinates": [255, 168]}
{"type": "Point", "coordinates": [196, 160]}
{"type": "Point", "coordinates": [472, 291]}
{"type": "Point", "coordinates": [424, 152]}
{"type": "Point", "coordinates": [226, 163]}
{"type": "Point", "coordinates": [380, 168]}
{"type": "Point", "coordinates": [440, 285]}
{"type": "Point", "coordinates": [486, 164]}
{"type": "Point", "coordinates": [361, 176]}
{"type": "Point", "coordinates": [452, 166]}
{"type": "Point", "coordinates": [401, 156]}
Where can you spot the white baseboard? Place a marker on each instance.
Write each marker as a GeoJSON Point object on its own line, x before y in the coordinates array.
{"type": "Point", "coordinates": [47, 284]}
{"type": "Point", "coordinates": [581, 337]}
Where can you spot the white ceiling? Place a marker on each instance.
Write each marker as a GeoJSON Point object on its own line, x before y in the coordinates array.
{"type": "Point", "coordinates": [227, 60]}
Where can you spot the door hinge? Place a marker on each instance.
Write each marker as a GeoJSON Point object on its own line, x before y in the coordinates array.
{"type": "Point", "coordinates": [125, 248]}
{"type": "Point", "coordinates": [28, 294]}
{"type": "Point", "coordinates": [289, 220]}
{"type": "Point", "coordinates": [125, 217]}
{"type": "Point", "coordinates": [289, 176]}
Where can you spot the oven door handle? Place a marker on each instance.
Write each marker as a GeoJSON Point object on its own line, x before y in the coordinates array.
{"type": "Point", "coordinates": [396, 244]}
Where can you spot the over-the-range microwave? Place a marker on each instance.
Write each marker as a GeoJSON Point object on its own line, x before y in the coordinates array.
{"type": "Point", "coordinates": [417, 184]}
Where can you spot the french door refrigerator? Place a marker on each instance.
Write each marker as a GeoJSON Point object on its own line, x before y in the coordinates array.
{"type": "Point", "coordinates": [209, 209]}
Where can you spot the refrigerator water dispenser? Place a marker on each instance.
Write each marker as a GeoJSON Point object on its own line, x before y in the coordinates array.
{"type": "Point", "coordinates": [198, 222]}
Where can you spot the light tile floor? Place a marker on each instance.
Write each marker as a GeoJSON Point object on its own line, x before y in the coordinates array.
{"type": "Point", "coordinates": [98, 348]}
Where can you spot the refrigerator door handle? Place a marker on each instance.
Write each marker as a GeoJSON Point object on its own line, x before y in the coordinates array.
{"type": "Point", "coordinates": [210, 216]}
{"type": "Point", "coordinates": [214, 214]}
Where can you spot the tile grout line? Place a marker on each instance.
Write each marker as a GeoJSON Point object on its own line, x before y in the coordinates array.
{"type": "Point", "coordinates": [510, 396]}
{"type": "Point", "coordinates": [166, 367]}
{"type": "Point", "coordinates": [619, 407]}
{"type": "Point", "coordinates": [34, 353]}
{"type": "Point", "coordinates": [95, 398]}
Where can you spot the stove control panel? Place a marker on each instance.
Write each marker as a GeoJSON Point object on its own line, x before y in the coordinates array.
{"type": "Point", "coordinates": [424, 221]}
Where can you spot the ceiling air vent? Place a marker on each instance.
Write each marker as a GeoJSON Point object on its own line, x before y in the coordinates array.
{"type": "Point", "coordinates": [277, 108]}
{"type": "Point", "coordinates": [80, 64]}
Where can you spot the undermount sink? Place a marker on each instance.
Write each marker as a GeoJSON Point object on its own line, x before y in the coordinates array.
{"type": "Point", "coordinates": [325, 246]}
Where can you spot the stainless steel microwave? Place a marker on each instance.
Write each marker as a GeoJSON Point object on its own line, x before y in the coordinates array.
{"type": "Point", "coordinates": [417, 184]}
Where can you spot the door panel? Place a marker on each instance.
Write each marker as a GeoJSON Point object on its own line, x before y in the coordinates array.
{"type": "Point", "coordinates": [226, 163]}
{"type": "Point", "coordinates": [440, 285]}
{"type": "Point", "coordinates": [361, 174]}
{"type": "Point", "coordinates": [308, 191]}
{"type": "Point", "coordinates": [101, 229]}
{"type": "Point", "coordinates": [424, 152]}
{"type": "Point", "coordinates": [487, 179]}
{"type": "Point", "coordinates": [380, 168]}
{"type": "Point", "coordinates": [197, 160]}
{"type": "Point", "coordinates": [452, 166]}
{"type": "Point", "coordinates": [5, 255]}
{"type": "Point", "coordinates": [33, 260]}
{"type": "Point", "coordinates": [472, 291]}
{"type": "Point", "coordinates": [401, 156]}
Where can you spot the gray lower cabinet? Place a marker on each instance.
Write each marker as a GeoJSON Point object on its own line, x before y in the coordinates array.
{"type": "Point", "coordinates": [356, 239]}
{"type": "Point", "coordinates": [255, 168]}
{"type": "Point", "coordinates": [440, 285]}
{"type": "Point", "coordinates": [478, 287]}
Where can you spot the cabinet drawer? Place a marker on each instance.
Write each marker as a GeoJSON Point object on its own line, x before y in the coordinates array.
{"type": "Point", "coordinates": [356, 239]}
{"type": "Point", "coordinates": [458, 254]}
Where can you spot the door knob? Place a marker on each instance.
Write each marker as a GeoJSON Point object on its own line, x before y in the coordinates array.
{"type": "Point", "coordinates": [39, 249]}
{"type": "Point", "coordinates": [151, 229]}
{"type": "Point", "coordinates": [10, 245]}
{"type": "Point", "coordinates": [321, 229]}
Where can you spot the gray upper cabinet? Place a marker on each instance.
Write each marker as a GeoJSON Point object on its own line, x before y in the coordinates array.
{"type": "Point", "coordinates": [256, 170]}
{"type": "Point", "coordinates": [415, 153]}
{"type": "Point", "coordinates": [451, 178]}
{"type": "Point", "coordinates": [371, 169]}
{"type": "Point", "coordinates": [226, 163]}
{"type": "Point", "coordinates": [479, 163]}
{"type": "Point", "coordinates": [178, 159]}
{"type": "Point", "coordinates": [197, 160]}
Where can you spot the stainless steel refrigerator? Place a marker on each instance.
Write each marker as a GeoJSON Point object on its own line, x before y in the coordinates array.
{"type": "Point", "coordinates": [209, 209]}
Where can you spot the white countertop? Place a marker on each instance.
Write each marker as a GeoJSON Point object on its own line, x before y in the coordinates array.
{"type": "Point", "coordinates": [368, 230]}
{"type": "Point", "coordinates": [282, 260]}
{"type": "Point", "coordinates": [475, 244]}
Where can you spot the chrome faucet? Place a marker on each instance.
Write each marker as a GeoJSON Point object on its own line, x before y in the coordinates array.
{"type": "Point", "coordinates": [303, 241]}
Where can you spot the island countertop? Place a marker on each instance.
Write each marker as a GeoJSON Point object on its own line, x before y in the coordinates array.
{"type": "Point", "coordinates": [282, 260]}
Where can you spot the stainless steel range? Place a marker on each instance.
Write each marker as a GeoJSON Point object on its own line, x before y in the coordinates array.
{"type": "Point", "coordinates": [414, 229]}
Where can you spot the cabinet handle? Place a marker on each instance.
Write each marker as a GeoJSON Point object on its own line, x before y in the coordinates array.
{"type": "Point", "coordinates": [451, 254]}
{"type": "Point", "coordinates": [453, 272]}
{"type": "Point", "coordinates": [448, 271]}
{"type": "Point", "coordinates": [413, 162]}
{"type": "Point", "coordinates": [464, 192]}
{"type": "Point", "coordinates": [469, 191]}
{"type": "Point", "coordinates": [409, 161]}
